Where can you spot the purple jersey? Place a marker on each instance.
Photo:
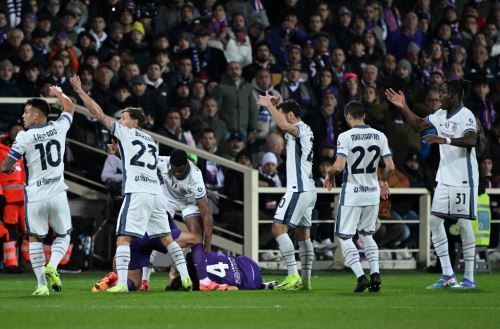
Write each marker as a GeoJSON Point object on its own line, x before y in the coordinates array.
{"type": "Point", "coordinates": [241, 271]}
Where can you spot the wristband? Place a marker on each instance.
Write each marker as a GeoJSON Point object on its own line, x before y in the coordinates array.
{"type": "Point", "coordinates": [448, 140]}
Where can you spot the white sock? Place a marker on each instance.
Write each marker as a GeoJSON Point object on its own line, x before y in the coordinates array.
{"type": "Point", "coordinates": [178, 257]}
{"type": "Point", "coordinates": [58, 250]}
{"type": "Point", "coordinates": [468, 247]}
{"type": "Point", "coordinates": [306, 252]}
{"type": "Point", "coordinates": [371, 252]}
{"type": "Point", "coordinates": [440, 243]}
{"type": "Point", "coordinates": [351, 256]}
{"type": "Point", "coordinates": [37, 259]}
{"type": "Point", "coordinates": [288, 252]}
{"type": "Point", "coordinates": [146, 271]}
{"type": "Point", "coordinates": [122, 260]}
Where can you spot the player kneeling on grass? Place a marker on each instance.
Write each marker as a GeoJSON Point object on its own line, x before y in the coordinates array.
{"type": "Point", "coordinates": [359, 151]}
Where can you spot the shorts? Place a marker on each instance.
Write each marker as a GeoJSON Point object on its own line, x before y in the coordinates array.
{"type": "Point", "coordinates": [141, 213]}
{"type": "Point", "coordinates": [56, 209]}
{"type": "Point", "coordinates": [295, 209]}
{"type": "Point", "coordinates": [352, 219]}
{"type": "Point", "coordinates": [454, 202]}
{"type": "Point", "coordinates": [187, 210]}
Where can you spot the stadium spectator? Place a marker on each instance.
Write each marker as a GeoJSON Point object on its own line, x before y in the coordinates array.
{"type": "Point", "coordinates": [209, 118]}
{"type": "Point", "coordinates": [172, 129]}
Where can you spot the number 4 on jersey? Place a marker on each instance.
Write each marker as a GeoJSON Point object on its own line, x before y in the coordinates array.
{"type": "Point", "coordinates": [218, 269]}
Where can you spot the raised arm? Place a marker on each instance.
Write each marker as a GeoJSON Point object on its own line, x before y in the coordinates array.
{"type": "Point", "coordinates": [398, 99]}
{"type": "Point", "coordinates": [269, 101]}
{"type": "Point", "coordinates": [92, 106]}
{"type": "Point", "coordinates": [66, 102]}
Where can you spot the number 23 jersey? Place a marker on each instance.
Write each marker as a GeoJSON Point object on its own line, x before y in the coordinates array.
{"type": "Point", "coordinates": [139, 158]}
{"type": "Point", "coordinates": [43, 148]}
{"type": "Point", "coordinates": [362, 146]}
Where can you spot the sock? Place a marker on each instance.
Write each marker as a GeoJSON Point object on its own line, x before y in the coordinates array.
{"type": "Point", "coordinates": [288, 252]}
{"type": "Point", "coordinates": [178, 257]}
{"type": "Point", "coordinates": [37, 259]}
{"type": "Point", "coordinates": [58, 250]}
{"type": "Point", "coordinates": [146, 271]}
{"type": "Point", "coordinates": [131, 285]}
{"type": "Point", "coordinates": [440, 243]}
{"type": "Point", "coordinates": [468, 247]}
{"type": "Point", "coordinates": [200, 262]}
{"type": "Point", "coordinates": [306, 252]}
{"type": "Point", "coordinates": [371, 252]}
{"type": "Point", "coordinates": [351, 256]}
{"type": "Point", "coordinates": [122, 260]}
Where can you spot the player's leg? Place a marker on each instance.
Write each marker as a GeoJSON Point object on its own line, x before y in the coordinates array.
{"type": "Point", "coordinates": [306, 204]}
{"type": "Point", "coordinates": [37, 227]}
{"type": "Point", "coordinates": [366, 229]}
{"type": "Point", "coordinates": [60, 220]}
{"type": "Point", "coordinates": [146, 272]}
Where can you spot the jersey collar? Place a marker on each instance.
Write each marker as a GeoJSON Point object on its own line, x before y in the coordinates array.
{"type": "Point", "coordinates": [458, 109]}
{"type": "Point", "coordinates": [361, 126]}
{"type": "Point", "coordinates": [39, 126]}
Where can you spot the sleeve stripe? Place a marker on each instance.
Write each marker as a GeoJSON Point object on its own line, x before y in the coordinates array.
{"type": "Point", "coordinates": [429, 122]}
{"type": "Point", "coordinates": [341, 155]}
{"type": "Point", "coordinates": [14, 154]}
{"type": "Point", "coordinates": [203, 197]}
{"type": "Point", "coordinates": [66, 116]}
{"type": "Point", "coordinates": [470, 129]}
{"type": "Point", "coordinates": [387, 155]}
{"type": "Point", "coordinates": [113, 128]}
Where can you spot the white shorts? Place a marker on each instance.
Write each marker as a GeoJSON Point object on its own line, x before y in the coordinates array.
{"type": "Point", "coordinates": [295, 209]}
{"type": "Point", "coordinates": [352, 219]}
{"type": "Point", "coordinates": [453, 202]}
{"type": "Point", "coordinates": [187, 210]}
{"type": "Point", "coordinates": [54, 209]}
{"type": "Point", "coordinates": [141, 213]}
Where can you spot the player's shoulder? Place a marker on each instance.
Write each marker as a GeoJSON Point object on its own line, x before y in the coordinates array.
{"type": "Point", "coordinates": [466, 112]}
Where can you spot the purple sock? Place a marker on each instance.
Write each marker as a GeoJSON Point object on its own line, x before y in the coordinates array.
{"type": "Point", "coordinates": [131, 285]}
{"type": "Point", "coordinates": [199, 260]}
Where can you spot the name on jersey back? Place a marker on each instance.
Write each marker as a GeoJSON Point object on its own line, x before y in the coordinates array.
{"type": "Point", "coordinates": [47, 134]}
{"type": "Point", "coordinates": [364, 137]}
{"type": "Point", "coordinates": [143, 136]}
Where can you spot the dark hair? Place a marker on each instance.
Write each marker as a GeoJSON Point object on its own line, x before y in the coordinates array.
{"type": "Point", "coordinates": [136, 113]}
{"type": "Point", "coordinates": [178, 158]}
{"type": "Point", "coordinates": [290, 106]}
{"type": "Point", "coordinates": [355, 109]}
{"type": "Point", "coordinates": [40, 104]}
{"type": "Point", "coordinates": [207, 131]}
{"type": "Point", "coordinates": [460, 88]}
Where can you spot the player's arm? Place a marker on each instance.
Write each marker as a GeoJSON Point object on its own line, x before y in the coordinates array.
{"type": "Point", "coordinates": [8, 165]}
{"type": "Point", "coordinates": [334, 170]}
{"type": "Point", "coordinates": [208, 222]}
{"type": "Point", "coordinates": [388, 170]}
{"type": "Point", "coordinates": [66, 102]}
{"type": "Point", "coordinates": [91, 105]}
{"type": "Point", "coordinates": [469, 140]}
{"type": "Point", "coordinates": [269, 102]}
{"type": "Point", "coordinates": [398, 99]}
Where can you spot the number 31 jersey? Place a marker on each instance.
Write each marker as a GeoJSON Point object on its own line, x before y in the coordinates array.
{"type": "Point", "coordinates": [43, 149]}
{"type": "Point", "coordinates": [362, 146]}
{"type": "Point", "coordinates": [139, 158]}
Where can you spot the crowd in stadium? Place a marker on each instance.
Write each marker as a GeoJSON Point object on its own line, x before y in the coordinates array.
{"type": "Point", "coordinates": [197, 69]}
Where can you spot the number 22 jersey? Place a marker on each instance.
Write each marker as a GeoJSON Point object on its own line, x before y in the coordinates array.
{"type": "Point", "coordinates": [139, 158]}
{"type": "Point", "coordinates": [362, 146]}
{"type": "Point", "coordinates": [43, 148]}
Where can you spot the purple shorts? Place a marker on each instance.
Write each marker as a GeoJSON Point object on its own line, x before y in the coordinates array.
{"type": "Point", "coordinates": [252, 277]}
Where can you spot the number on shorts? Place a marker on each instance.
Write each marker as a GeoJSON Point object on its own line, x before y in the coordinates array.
{"type": "Point", "coordinates": [370, 169]}
{"type": "Point", "coordinates": [46, 154]}
{"type": "Point", "coordinates": [218, 269]}
{"type": "Point", "coordinates": [135, 159]}
{"type": "Point", "coordinates": [282, 203]}
{"type": "Point", "coordinates": [460, 198]}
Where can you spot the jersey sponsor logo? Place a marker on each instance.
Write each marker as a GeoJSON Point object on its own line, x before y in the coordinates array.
{"type": "Point", "coordinates": [48, 181]}
{"type": "Point", "coordinates": [142, 178]}
{"type": "Point", "coordinates": [364, 189]}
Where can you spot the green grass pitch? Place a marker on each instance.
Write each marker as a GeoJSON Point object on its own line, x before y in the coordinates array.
{"type": "Point", "coordinates": [402, 303]}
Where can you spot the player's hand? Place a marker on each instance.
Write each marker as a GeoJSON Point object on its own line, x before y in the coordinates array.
{"type": "Point", "coordinates": [55, 91]}
{"type": "Point", "coordinates": [76, 83]}
{"type": "Point", "coordinates": [112, 148]}
{"type": "Point", "coordinates": [329, 183]}
{"type": "Point", "coordinates": [430, 139]}
{"type": "Point", "coordinates": [396, 98]}
{"type": "Point", "coordinates": [265, 100]}
{"type": "Point", "coordinates": [384, 190]}
{"type": "Point", "coordinates": [207, 246]}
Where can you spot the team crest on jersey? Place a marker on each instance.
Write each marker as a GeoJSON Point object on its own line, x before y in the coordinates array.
{"type": "Point", "coordinates": [449, 125]}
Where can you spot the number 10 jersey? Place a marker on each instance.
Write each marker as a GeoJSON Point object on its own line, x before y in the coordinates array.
{"type": "Point", "coordinates": [43, 149]}
{"type": "Point", "coordinates": [362, 146]}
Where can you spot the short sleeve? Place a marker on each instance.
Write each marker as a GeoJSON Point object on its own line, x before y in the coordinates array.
{"type": "Point", "coordinates": [64, 121]}
{"type": "Point", "coordinates": [19, 146]}
{"type": "Point", "coordinates": [119, 131]}
{"type": "Point", "coordinates": [342, 146]}
{"type": "Point", "coordinates": [432, 120]}
{"type": "Point", "coordinates": [162, 164]}
{"type": "Point", "coordinates": [198, 188]}
{"type": "Point", "coordinates": [386, 151]}
{"type": "Point", "coordinates": [470, 123]}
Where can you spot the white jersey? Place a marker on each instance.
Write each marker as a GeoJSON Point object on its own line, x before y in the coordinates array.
{"type": "Point", "coordinates": [43, 149]}
{"type": "Point", "coordinates": [363, 147]}
{"type": "Point", "coordinates": [458, 165]}
{"type": "Point", "coordinates": [186, 190]}
{"type": "Point", "coordinates": [299, 157]}
{"type": "Point", "coordinates": [140, 160]}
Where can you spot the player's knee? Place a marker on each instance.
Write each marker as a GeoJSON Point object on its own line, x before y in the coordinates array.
{"type": "Point", "coordinates": [466, 230]}
{"type": "Point", "coordinates": [279, 229]}
{"type": "Point", "coordinates": [435, 222]}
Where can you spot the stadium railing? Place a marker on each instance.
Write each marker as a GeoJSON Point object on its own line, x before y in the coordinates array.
{"type": "Point", "coordinates": [90, 189]}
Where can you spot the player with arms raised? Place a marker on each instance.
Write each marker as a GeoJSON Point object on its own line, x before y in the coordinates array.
{"type": "Point", "coordinates": [455, 196]}
{"type": "Point", "coordinates": [144, 207]}
{"type": "Point", "coordinates": [359, 151]}
{"type": "Point", "coordinates": [295, 208]}
{"type": "Point", "coordinates": [43, 146]}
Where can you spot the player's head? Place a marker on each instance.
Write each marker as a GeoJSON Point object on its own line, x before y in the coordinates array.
{"type": "Point", "coordinates": [451, 92]}
{"type": "Point", "coordinates": [179, 163]}
{"type": "Point", "coordinates": [354, 113]}
{"type": "Point", "coordinates": [36, 112]}
{"type": "Point", "coordinates": [132, 117]}
{"type": "Point", "coordinates": [291, 109]}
